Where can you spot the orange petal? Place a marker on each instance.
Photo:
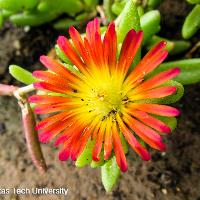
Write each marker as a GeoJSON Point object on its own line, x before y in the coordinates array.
{"type": "Point", "coordinates": [108, 141]}
{"type": "Point", "coordinates": [69, 51]}
{"type": "Point", "coordinates": [98, 49]}
{"type": "Point", "coordinates": [156, 109]}
{"type": "Point", "coordinates": [58, 68]}
{"type": "Point", "coordinates": [53, 79]}
{"type": "Point", "coordinates": [50, 108]}
{"type": "Point", "coordinates": [69, 133]}
{"type": "Point", "coordinates": [51, 120]}
{"type": "Point", "coordinates": [145, 133]}
{"type": "Point", "coordinates": [51, 131]}
{"type": "Point", "coordinates": [98, 143]}
{"type": "Point", "coordinates": [150, 61]}
{"type": "Point", "coordinates": [155, 93]}
{"type": "Point", "coordinates": [150, 121]}
{"type": "Point", "coordinates": [74, 145]}
{"type": "Point", "coordinates": [79, 45]}
{"type": "Point", "coordinates": [129, 49]}
{"type": "Point", "coordinates": [110, 46]}
{"type": "Point", "coordinates": [91, 28]}
{"type": "Point", "coordinates": [135, 145]}
{"type": "Point", "coordinates": [47, 99]}
{"type": "Point", "coordinates": [119, 152]}
{"type": "Point", "coordinates": [157, 80]}
{"type": "Point", "coordinates": [64, 154]}
{"type": "Point", "coordinates": [53, 88]}
{"type": "Point", "coordinates": [80, 145]}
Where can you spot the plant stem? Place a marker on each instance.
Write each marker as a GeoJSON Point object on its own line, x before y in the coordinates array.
{"type": "Point", "coordinates": [31, 135]}
{"type": "Point", "coordinates": [7, 90]}
{"type": "Point", "coordinates": [29, 122]}
{"type": "Point", "coordinates": [194, 48]}
{"type": "Point", "coordinates": [19, 93]}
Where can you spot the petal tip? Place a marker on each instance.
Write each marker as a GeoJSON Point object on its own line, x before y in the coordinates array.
{"type": "Point", "coordinates": [44, 137]}
{"type": "Point", "coordinates": [43, 58]}
{"type": "Point", "coordinates": [163, 43]}
{"type": "Point", "coordinates": [63, 155]}
{"type": "Point", "coordinates": [95, 158]}
{"type": "Point", "coordinates": [61, 41]}
{"type": "Point", "coordinates": [177, 112]}
{"type": "Point", "coordinates": [166, 129]}
{"type": "Point", "coordinates": [124, 168]}
{"type": "Point", "coordinates": [145, 155]}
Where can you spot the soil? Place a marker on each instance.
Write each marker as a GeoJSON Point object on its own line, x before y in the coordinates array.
{"type": "Point", "coordinates": [173, 175]}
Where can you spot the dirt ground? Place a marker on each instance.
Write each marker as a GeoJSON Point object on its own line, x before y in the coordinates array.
{"type": "Point", "coordinates": [174, 175]}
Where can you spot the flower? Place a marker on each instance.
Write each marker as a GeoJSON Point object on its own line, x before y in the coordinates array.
{"type": "Point", "coordinates": [103, 100]}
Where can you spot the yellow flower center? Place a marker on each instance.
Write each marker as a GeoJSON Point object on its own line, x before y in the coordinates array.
{"type": "Point", "coordinates": [102, 94]}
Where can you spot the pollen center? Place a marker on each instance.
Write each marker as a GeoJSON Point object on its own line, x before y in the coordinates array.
{"type": "Point", "coordinates": [102, 96]}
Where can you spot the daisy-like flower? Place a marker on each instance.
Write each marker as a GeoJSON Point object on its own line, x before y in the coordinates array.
{"type": "Point", "coordinates": [104, 99]}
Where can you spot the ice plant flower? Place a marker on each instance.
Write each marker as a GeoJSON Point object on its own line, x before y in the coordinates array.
{"type": "Point", "coordinates": [104, 99]}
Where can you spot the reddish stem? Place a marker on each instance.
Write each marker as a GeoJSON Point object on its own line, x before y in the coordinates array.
{"type": "Point", "coordinates": [28, 123]}
{"type": "Point", "coordinates": [7, 90]}
{"type": "Point", "coordinates": [31, 136]}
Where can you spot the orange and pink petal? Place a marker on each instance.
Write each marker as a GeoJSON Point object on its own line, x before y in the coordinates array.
{"type": "Point", "coordinates": [156, 109]}
{"type": "Point", "coordinates": [118, 149]}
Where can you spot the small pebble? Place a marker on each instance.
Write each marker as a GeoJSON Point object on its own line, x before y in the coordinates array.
{"type": "Point", "coordinates": [163, 154]}
{"type": "Point", "coordinates": [164, 191]}
{"type": "Point", "coordinates": [16, 44]}
{"type": "Point", "coordinates": [27, 29]}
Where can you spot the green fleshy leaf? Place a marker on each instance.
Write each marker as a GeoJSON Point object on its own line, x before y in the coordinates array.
{"type": "Point", "coordinates": [128, 19]}
{"type": "Point", "coordinates": [180, 46]}
{"type": "Point", "coordinates": [86, 156]}
{"type": "Point", "coordinates": [32, 18]}
{"type": "Point", "coordinates": [70, 6]}
{"type": "Point", "coordinates": [190, 70]}
{"type": "Point", "coordinates": [150, 24]}
{"type": "Point", "coordinates": [152, 4]}
{"type": "Point", "coordinates": [91, 3]}
{"type": "Point", "coordinates": [193, 1]}
{"type": "Point", "coordinates": [117, 7]}
{"type": "Point", "coordinates": [107, 5]}
{"type": "Point", "coordinates": [1, 19]}
{"type": "Point", "coordinates": [6, 14]}
{"type": "Point", "coordinates": [192, 23]}
{"type": "Point", "coordinates": [169, 99]}
{"type": "Point", "coordinates": [140, 11]}
{"type": "Point", "coordinates": [65, 23]}
{"type": "Point", "coordinates": [18, 5]}
{"type": "Point", "coordinates": [82, 17]}
{"type": "Point", "coordinates": [174, 47]}
{"type": "Point", "coordinates": [21, 74]}
{"type": "Point", "coordinates": [110, 173]}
